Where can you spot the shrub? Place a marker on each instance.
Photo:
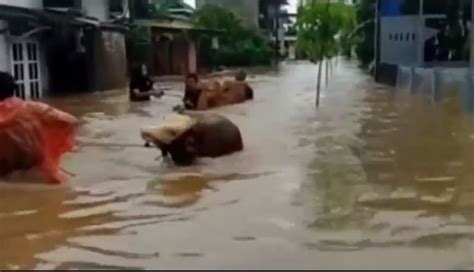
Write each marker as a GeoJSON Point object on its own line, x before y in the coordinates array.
{"type": "Point", "coordinates": [238, 45]}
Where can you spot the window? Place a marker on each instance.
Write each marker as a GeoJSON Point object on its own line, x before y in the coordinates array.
{"type": "Point", "coordinates": [390, 36]}
{"type": "Point", "coordinates": [396, 37]}
{"type": "Point", "coordinates": [413, 36]}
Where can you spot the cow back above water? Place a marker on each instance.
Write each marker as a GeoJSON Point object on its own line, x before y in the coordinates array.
{"type": "Point", "coordinates": [192, 135]}
{"type": "Point", "coordinates": [216, 136]}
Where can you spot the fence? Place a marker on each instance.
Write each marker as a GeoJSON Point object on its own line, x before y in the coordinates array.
{"type": "Point", "coordinates": [438, 83]}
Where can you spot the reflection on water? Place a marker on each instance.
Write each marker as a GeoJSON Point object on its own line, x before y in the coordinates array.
{"type": "Point", "coordinates": [405, 180]}
{"type": "Point", "coordinates": [375, 178]}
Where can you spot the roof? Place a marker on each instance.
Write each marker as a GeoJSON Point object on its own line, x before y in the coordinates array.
{"type": "Point", "coordinates": [48, 17]}
{"type": "Point", "coordinates": [175, 25]}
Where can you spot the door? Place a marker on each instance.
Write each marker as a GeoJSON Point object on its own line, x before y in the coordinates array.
{"type": "Point", "coordinates": [26, 69]}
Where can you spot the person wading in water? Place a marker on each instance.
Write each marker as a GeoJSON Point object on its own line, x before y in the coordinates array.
{"type": "Point", "coordinates": [141, 85]}
{"type": "Point", "coordinates": [7, 86]}
{"type": "Point", "coordinates": [192, 93]}
{"type": "Point", "coordinates": [241, 77]}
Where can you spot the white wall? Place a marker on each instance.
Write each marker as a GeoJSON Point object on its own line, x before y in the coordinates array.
{"type": "Point", "coordinates": [4, 58]}
{"type": "Point", "coordinates": [398, 40]}
{"type": "Point", "coordinates": [96, 8]}
{"type": "Point", "coordinates": [24, 3]}
{"type": "Point", "coordinates": [44, 73]}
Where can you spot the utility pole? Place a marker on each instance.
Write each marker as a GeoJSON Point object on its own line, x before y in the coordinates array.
{"type": "Point", "coordinates": [376, 39]}
{"type": "Point", "coordinates": [471, 35]}
{"type": "Point", "coordinates": [421, 35]}
{"type": "Point", "coordinates": [275, 26]}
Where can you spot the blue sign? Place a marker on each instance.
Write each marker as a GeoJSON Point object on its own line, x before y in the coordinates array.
{"type": "Point", "coordinates": [391, 7]}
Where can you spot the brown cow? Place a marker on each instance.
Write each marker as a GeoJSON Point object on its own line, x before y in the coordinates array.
{"type": "Point", "coordinates": [212, 93]}
{"type": "Point", "coordinates": [193, 135]}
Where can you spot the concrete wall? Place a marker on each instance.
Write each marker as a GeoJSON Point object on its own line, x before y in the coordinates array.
{"type": "Point", "coordinates": [192, 61]}
{"type": "Point", "coordinates": [110, 61]}
{"type": "Point", "coordinates": [398, 40]}
{"type": "Point", "coordinates": [44, 73]}
{"type": "Point", "coordinates": [4, 57]}
{"type": "Point", "coordinates": [96, 8]}
{"type": "Point", "coordinates": [247, 10]}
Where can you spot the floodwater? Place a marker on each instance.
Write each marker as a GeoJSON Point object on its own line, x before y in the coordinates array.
{"type": "Point", "coordinates": [373, 179]}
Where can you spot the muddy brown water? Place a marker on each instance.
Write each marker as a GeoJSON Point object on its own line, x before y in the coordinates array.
{"type": "Point", "coordinates": [373, 179]}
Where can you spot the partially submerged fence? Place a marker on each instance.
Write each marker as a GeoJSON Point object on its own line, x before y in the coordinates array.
{"type": "Point", "coordinates": [438, 83]}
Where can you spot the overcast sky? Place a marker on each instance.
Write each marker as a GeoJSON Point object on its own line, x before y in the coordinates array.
{"type": "Point", "coordinates": [292, 6]}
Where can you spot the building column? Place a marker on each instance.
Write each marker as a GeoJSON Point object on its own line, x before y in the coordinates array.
{"type": "Point", "coordinates": [4, 52]}
{"type": "Point", "coordinates": [421, 36]}
{"type": "Point", "coordinates": [192, 57]}
{"type": "Point", "coordinates": [471, 34]}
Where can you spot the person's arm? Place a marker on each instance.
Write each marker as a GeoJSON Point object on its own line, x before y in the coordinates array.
{"type": "Point", "coordinates": [248, 92]}
{"type": "Point", "coordinates": [152, 91]}
{"type": "Point", "coordinates": [134, 88]}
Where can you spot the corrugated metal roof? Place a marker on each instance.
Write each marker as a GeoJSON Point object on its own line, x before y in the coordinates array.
{"type": "Point", "coordinates": [48, 17]}
{"type": "Point", "coordinates": [176, 25]}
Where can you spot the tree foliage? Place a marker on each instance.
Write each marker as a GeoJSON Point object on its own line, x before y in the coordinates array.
{"type": "Point", "coordinates": [323, 33]}
{"type": "Point", "coordinates": [324, 30]}
{"type": "Point", "coordinates": [238, 45]}
{"type": "Point", "coordinates": [365, 37]}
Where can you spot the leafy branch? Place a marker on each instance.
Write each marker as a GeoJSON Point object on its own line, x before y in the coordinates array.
{"type": "Point", "coordinates": [324, 32]}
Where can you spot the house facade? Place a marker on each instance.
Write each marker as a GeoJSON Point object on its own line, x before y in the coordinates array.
{"type": "Point", "coordinates": [53, 47]}
{"type": "Point", "coordinates": [422, 33]}
{"type": "Point", "coordinates": [172, 41]}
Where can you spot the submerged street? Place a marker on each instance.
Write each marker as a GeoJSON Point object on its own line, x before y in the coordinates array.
{"type": "Point", "coordinates": [374, 178]}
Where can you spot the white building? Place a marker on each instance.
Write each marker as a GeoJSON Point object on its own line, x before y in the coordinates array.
{"type": "Point", "coordinates": [410, 34]}
{"type": "Point", "coordinates": [63, 45]}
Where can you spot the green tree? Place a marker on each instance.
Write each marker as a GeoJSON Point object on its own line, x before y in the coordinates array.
{"type": "Point", "coordinates": [238, 46]}
{"type": "Point", "coordinates": [323, 32]}
{"type": "Point", "coordinates": [365, 32]}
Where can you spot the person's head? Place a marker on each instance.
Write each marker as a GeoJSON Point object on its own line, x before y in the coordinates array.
{"type": "Point", "coordinates": [240, 76]}
{"type": "Point", "coordinates": [7, 86]}
{"type": "Point", "coordinates": [191, 80]}
{"type": "Point", "coordinates": [140, 70]}
{"type": "Point", "coordinates": [144, 70]}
